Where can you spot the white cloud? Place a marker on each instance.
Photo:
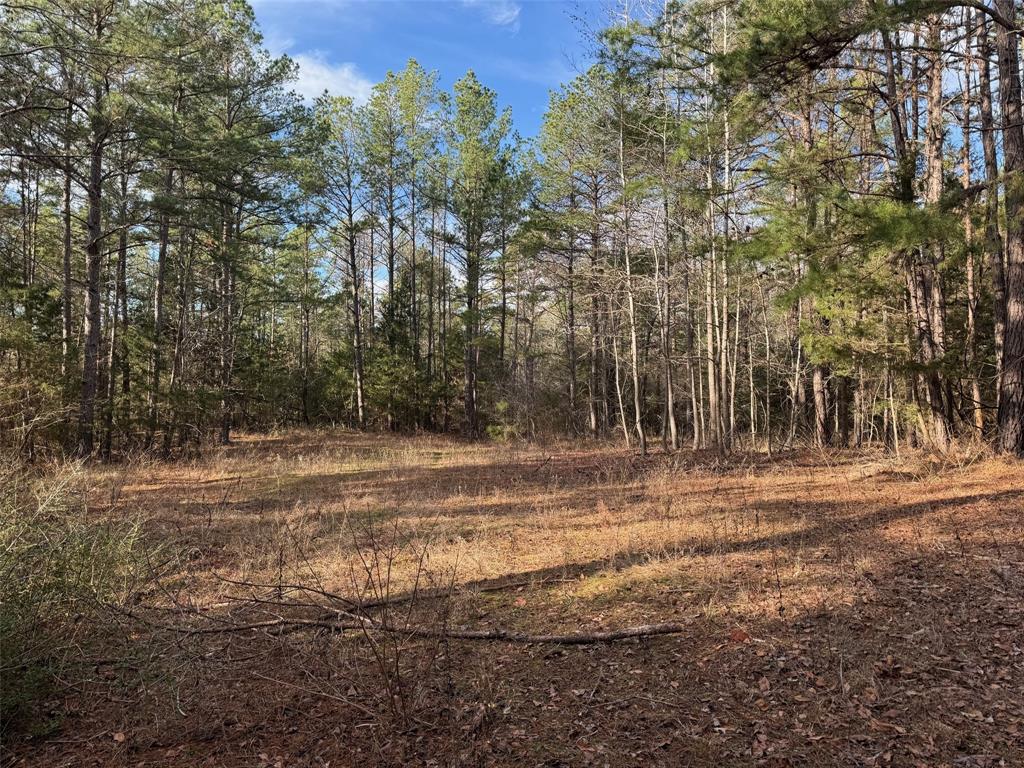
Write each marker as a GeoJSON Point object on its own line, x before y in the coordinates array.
{"type": "Point", "coordinates": [317, 74]}
{"type": "Point", "coordinates": [276, 43]}
{"type": "Point", "coordinates": [501, 13]}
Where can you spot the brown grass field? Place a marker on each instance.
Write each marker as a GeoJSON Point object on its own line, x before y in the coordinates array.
{"type": "Point", "coordinates": [835, 610]}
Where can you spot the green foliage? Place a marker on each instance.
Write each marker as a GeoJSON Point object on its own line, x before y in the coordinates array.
{"type": "Point", "coordinates": [503, 427]}
{"type": "Point", "coordinates": [58, 568]}
{"type": "Point", "coordinates": [893, 226]}
{"type": "Point", "coordinates": [783, 39]}
{"type": "Point", "coordinates": [363, 263]}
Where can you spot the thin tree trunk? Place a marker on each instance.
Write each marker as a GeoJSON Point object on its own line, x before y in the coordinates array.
{"type": "Point", "coordinates": [571, 338]}
{"type": "Point", "coordinates": [153, 398]}
{"type": "Point", "coordinates": [357, 330]}
{"type": "Point", "coordinates": [177, 359]}
{"type": "Point", "coordinates": [993, 238]}
{"type": "Point", "coordinates": [767, 368]}
{"type": "Point", "coordinates": [93, 269]}
{"type": "Point", "coordinates": [977, 416]}
{"type": "Point", "coordinates": [226, 311]}
{"type": "Point", "coordinates": [595, 330]}
{"type": "Point", "coordinates": [114, 361]}
{"type": "Point", "coordinates": [618, 389]}
{"type": "Point", "coordinates": [821, 432]}
{"type": "Point", "coordinates": [634, 356]}
{"type": "Point", "coordinates": [66, 330]}
{"type": "Point", "coordinates": [714, 415]}
{"type": "Point", "coordinates": [1011, 391]}
{"type": "Point", "coordinates": [471, 352]}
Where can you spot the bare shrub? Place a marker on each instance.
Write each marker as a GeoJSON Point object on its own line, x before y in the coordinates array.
{"type": "Point", "coordinates": [57, 569]}
{"type": "Point", "coordinates": [406, 665]}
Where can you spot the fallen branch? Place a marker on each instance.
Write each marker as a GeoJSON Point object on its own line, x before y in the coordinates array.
{"type": "Point", "coordinates": [578, 638]}
{"type": "Point", "coordinates": [356, 604]}
{"type": "Point", "coordinates": [501, 635]}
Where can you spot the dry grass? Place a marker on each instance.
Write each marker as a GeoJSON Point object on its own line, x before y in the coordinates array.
{"type": "Point", "coordinates": [841, 609]}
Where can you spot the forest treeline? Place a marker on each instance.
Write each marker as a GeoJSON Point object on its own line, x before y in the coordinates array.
{"type": "Point", "coordinates": [744, 225]}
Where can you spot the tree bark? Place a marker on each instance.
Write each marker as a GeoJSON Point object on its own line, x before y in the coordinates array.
{"type": "Point", "coordinates": [66, 286]}
{"type": "Point", "coordinates": [1011, 390]}
{"type": "Point", "coordinates": [153, 398]}
{"type": "Point", "coordinates": [471, 321]}
{"type": "Point", "coordinates": [93, 269]}
{"type": "Point", "coordinates": [976, 414]}
{"type": "Point", "coordinates": [357, 321]}
{"type": "Point", "coordinates": [993, 238]}
{"type": "Point", "coordinates": [821, 431]}
{"type": "Point", "coordinates": [226, 314]}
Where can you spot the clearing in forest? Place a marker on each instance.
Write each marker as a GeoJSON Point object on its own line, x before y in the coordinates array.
{"type": "Point", "coordinates": [827, 610]}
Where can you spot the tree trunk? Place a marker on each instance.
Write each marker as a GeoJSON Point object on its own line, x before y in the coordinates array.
{"type": "Point", "coordinates": [595, 314]}
{"type": "Point", "coordinates": [634, 356]}
{"type": "Point", "coordinates": [618, 388]}
{"type": "Point", "coordinates": [471, 324]}
{"type": "Point", "coordinates": [357, 330]}
{"type": "Point", "coordinates": [1011, 391]}
{"type": "Point", "coordinates": [933, 256]}
{"type": "Point", "coordinates": [570, 340]}
{"type": "Point", "coordinates": [153, 397]}
{"type": "Point", "coordinates": [993, 239]}
{"type": "Point", "coordinates": [66, 330]}
{"type": "Point", "coordinates": [226, 299]}
{"type": "Point", "coordinates": [977, 418]}
{"type": "Point", "coordinates": [114, 359]}
{"type": "Point", "coordinates": [93, 269]}
{"type": "Point", "coordinates": [818, 386]}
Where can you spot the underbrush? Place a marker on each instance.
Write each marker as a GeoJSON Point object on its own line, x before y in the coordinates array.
{"type": "Point", "coordinates": [59, 572]}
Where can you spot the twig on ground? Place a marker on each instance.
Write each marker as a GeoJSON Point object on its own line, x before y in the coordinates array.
{"type": "Point", "coordinates": [501, 635]}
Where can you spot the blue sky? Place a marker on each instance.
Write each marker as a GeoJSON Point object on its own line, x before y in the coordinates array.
{"type": "Point", "coordinates": [520, 48]}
